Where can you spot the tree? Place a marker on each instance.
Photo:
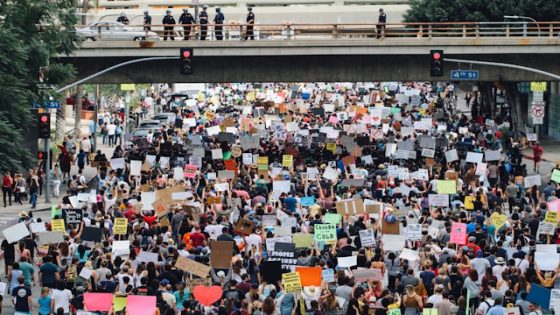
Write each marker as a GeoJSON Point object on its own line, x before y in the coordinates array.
{"type": "Point", "coordinates": [480, 10]}
{"type": "Point", "coordinates": [32, 35]}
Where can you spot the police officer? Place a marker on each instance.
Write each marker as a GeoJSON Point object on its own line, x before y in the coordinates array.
{"type": "Point", "coordinates": [168, 19]}
{"type": "Point", "coordinates": [147, 21]}
{"type": "Point", "coordinates": [219, 21]}
{"type": "Point", "coordinates": [250, 22]}
{"type": "Point", "coordinates": [203, 20]}
{"type": "Point", "coordinates": [381, 21]}
{"type": "Point", "coordinates": [186, 19]}
{"type": "Point", "coordinates": [123, 19]}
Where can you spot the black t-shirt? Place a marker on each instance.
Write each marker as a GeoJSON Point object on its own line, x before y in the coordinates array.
{"type": "Point", "coordinates": [21, 295]}
{"type": "Point", "coordinates": [9, 250]}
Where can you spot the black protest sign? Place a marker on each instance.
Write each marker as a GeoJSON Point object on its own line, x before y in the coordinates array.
{"type": "Point", "coordinates": [72, 216]}
{"type": "Point", "coordinates": [92, 234]}
{"type": "Point", "coordinates": [271, 271]}
{"type": "Point", "coordinates": [285, 253]}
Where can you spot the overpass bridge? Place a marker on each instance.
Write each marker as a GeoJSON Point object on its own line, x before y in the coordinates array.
{"type": "Point", "coordinates": [332, 52]}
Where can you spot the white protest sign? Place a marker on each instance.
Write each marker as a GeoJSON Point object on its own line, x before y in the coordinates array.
{"type": "Point", "coordinates": [534, 180]}
{"type": "Point", "coordinates": [438, 200]}
{"type": "Point", "coordinates": [347, 262]}
{"type": "Point", "coordinates": [330, 173]}
{"type": "Point", "coordinates": [148, 197]}
{"type": "Point", "coordinates": [121, 248]}
{"type": "Point", "coordinates": [394, 242]}
{"type": "Point", "coordinates": [481, 169]}
{"type": "Point", "coordinates": [490, 155]}
{"type": "Point", "coordinates": [117, 163]}
{"type": "Point", "coordinates": [281, 186]}
{"type": "Point", "coordinates": [451, 155]}
{"type": "Point", "coordinates": [15, 232]}
{"type": "Point", "coordinates": [367, 237]}
{"type": "Point", "coordinates": [414, 232]}
{"type": "Point", "coordinates": [135, 167]}
{"type": "Point", "coordinates": [474, 157]}
{"type": "Point", "coordinates": [547, 261]}
{"type": "Point", "coordinates": [148, 257]}
{"type": "Point", "coordinates": [38, 227]}
{"type": "Point", "coordinates": [86, 273]}
{"type": "Point", "coordinates": [178, 174]}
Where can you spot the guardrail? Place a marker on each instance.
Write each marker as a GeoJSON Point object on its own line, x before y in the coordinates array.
{"type": "Point", "coordinates": [110, 31]}
{"type": "Point", "coordinates": [135, 4]}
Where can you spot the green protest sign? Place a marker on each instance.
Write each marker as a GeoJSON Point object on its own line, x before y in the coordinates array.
{"type": "Point", "coordinates": [325, 232]}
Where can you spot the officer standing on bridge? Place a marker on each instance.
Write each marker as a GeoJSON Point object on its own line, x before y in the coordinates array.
{"type": "Point", "coordinates": [250, 22]}
{"type": "Point", "coordinates": [168, 19]}
{"type": "Point", "coordinates": [381, 21]}
{"type": "Point", "coordinates": [218, 21]}
{"type": "Point", "coordinates": [187, 20]}
{"type": "Point", "coordinates": [123, 19]}
{"type": "Point", "coordinates": [147, 21]}
{"type": "Point", "coordinates": [203, 20]}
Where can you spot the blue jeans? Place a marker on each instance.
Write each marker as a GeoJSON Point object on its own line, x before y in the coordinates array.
{"type": "Point", "coordinates": [33, 199]}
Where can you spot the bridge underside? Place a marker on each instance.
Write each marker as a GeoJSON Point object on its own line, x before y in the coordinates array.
{"type": "Point", "coordinates": [310, 68]}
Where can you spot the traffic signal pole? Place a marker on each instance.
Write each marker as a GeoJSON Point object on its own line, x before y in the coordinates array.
{"type": "Point", "coordinates": [48, 171]}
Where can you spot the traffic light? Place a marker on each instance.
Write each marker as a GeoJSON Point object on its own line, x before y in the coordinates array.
{"type": "Point", "coordinates": [44, 126]}
{"type": "Point", "coordinates": [186, 63]}
{"type": "Point", "coordinates": [436, 67]}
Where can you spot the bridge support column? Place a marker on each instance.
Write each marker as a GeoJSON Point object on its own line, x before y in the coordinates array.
{"type": "Point", "coordinates": [552, 116]}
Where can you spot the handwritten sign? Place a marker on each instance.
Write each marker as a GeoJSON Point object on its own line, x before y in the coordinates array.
{"type": "Point", "coordinates": [120, 226]}
{"type": "Point", "coordinates": [551, 217]}
{"type": "Point", "coordinates": [193, 267]}
{"type": "Point", "coordinates": [446, 187]}
{"type": "Point", "coordinates": [458, 233]}
{"type": "Point", "coordinates": [58, 226]}
{"type": "Point", "coordinates": [325, 232]}
{"type": "Point", "coordinates": [292, 282]}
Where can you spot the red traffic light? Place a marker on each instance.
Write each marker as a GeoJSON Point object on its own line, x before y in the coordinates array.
{"type": "Point", "coordinates": [40, 155]}
{"type": "Point", "coordinates": [44, 119]}
{"type": "Point", "coordinates": [186, 54]}
{"type": "Point", "coordinates": [436, 55]}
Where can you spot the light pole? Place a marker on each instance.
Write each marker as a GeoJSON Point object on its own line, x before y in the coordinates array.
{"type": "Point", "coordinates": [519, 17]}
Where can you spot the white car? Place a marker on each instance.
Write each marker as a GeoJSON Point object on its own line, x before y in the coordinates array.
{"type": "Point", "coordinates": [114, 31]}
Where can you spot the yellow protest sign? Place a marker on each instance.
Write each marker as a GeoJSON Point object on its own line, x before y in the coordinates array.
{"type": "Point", "coordinates": [120, 226]}
{"type": "Point", "coordinates": [551, 217]}
{"type": "Point", "coordinates": [446, 187]}
{"type": "Point", "coordinates": [498, 220]}
{"type": "Point", "coordinates": [331, 147]}
{"type": "Point", "coordinates": [58, 226]}
{"type": "Point", "coordinates": [262, 160]}
{"type": "Point", "coordinates": [538, 86]}
{"type": "Point", "coordinates": [287, 160]}
{"type": "Point", "coordinates": [469, 202]}
{"type": "Point", "coordinates": [292, 282]}
{"type": "Point", "coordinates": [302, 240]}
{"type": "Point", "coordinates": [128, 86]}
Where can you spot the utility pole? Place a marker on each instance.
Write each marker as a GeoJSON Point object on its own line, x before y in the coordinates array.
{"type": "Point", "coordinates": [48, 169]}
{"type": "Point", "coordinates": [95, 119]}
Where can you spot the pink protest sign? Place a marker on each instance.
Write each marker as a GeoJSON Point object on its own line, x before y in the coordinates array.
{"type": "Point", "coordinates": [190, 171]}
{"type": "Point", "coordinates": [98, 302]}
{"type": "Point", "coordinates": [333, 119]}
{"type": "Point", "coordinates": [459, 233]}
{"type": "Point", "coordinates": [554, 206]}
{"type": "Point", "coordinates": [141, 305]}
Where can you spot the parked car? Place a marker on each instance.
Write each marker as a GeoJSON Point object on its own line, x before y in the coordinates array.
{"type": "Point", "coordinates": [143, 133]}
{"type": "Point", "coordinates": [114, 31]}
{"type": "Point", "coordinates": [149, 124]}
{"type": "Point", "coordinates": [165, 118]}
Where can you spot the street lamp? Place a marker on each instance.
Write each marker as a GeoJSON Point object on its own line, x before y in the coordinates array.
{"type": "Point", "coordinates": [518, 17]}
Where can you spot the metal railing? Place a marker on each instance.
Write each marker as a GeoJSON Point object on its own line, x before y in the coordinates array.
{"type": "Point", "coordinates": [237, 31]}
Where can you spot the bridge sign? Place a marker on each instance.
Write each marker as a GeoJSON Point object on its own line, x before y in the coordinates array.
{"type": "Point", "coordinates": [464, 75]}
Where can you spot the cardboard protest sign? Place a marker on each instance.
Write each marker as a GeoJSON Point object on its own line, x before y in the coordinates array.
{"type": "Point", "coordinates": [367, 237]}
{"type": "Point", "coordinates": [92, 234]}
{"type": "Point", "coordinates": [367, 274]}
{"type": "Point", "coordinates": [310, 275]}
{"type": "Point", "coordinates": [244, 227]}
{"type": "Point", "coordinates": [221, 253]}
{"type": "Point", "coordinates": [458, 233]}
{"type": "Point", "coordinates": [350, 206]}
{"type": "Point", "coordinates": [193, 267]}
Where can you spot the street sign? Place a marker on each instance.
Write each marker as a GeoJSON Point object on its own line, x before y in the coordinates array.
{"type": "Point", "coordinates": [537, 113]}
{"type": "Point", "coordinates": [465, 74]}
{"type": "Point", "coordinates": [47, 105]}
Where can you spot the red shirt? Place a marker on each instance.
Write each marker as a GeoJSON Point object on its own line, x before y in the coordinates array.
{"type": "Point", "coordinates": [6, 181]}
{"type": "Point", "coordinates": [197, 239]}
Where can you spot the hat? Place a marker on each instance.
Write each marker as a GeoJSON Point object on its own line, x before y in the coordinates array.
{"type": "Point", "coordinates": [500, 261]}
{"type": "Point", "coordinates": [167, 11]}
{"type": "Point", "coordinates": [164, 282]}
{"type": "Point", "coordinates": [479, 254]}
{"type": "Point", "coordinates": [312, 291]}
{"type": "Point", "coordinates": [205, 7]}
{"type": "Point", "coordinates": [23, 214]}
{"type": "Point", "coordinates": [221, 274]}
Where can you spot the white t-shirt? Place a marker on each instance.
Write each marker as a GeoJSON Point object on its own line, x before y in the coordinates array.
{"type": "Point", "coordinates": [62, 299]}
{"type": "Point", "coordinates": [435, 299]}
{"type": "Point", "coordinates": [111, 128]}
{"type": "Point", "coordinates": [214, 230]}
{"type": "Point", "coordinates": [484, 306]}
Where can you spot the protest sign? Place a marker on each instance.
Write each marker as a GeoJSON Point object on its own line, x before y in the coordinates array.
{"type": "Point", "coordinates": [438, 200]}
{"type": "Point", "coordinates": [555, 176]}
{"type": "Point", "coordinates": [458, 233]}
{"type": "Point", "coordinates": [92, 234]}
{"type": "Point", "coordinates": [221, 253]}
{"type": "Point", "coordinates": [292, 282]}
{"type": "Point", "coordinates": [367, 275]}
{"type": "Point", "coordinates": [271, 271]}
{"type": "Point", "coordinates": [191, 266]}
{"type": "Point", "coordinates": [38, 227]}
{"type": "Point", "coordinates": [347, 262]}
{"type": "Point", "coordinates": [446, 187]}
{"type": "Point", "coordinates": [120, 226]}
{"type": "Point", "coordinates": [140, 305]}
{"type": "Point", "coordinates": [310, 276]}
{"type": "Point", "coordinates": [302, 240]}
{"type": "Point", "coordinates": [72, 216]}
{"type": "Point", "coordinates": [551, 217]}
{"type": "Point", "coordinates": [328, 275]}
{"type": "Point", "coordinates": [58, 226]}
{"type": "Point", "coordinates": [284, 253]}
{"type": "Point", "coordinates": [451, 155]}
{"type": "Point", "coordinates": [498, 220]}
{"type": "Point", "coordinates": [414, 232]}
{"type": "Point", "coordinates": [325, 232]}
{"type": "Point", "coordinates": [474, 157]}
{"type": "Point", "coordinates": [98, 302]}
{"type": "Point", "coordinates": [367, 237]}
{"type": "Point", "coordinates": [534, 180]}
{"type": "Point", "coordinates": [148, 257]}
{"type": "Point", "coordinates": [350, 206]}
{"type": "Point", "coordinates": [547, 261]}
{"type": "Point", "coordinates": [50, 238]}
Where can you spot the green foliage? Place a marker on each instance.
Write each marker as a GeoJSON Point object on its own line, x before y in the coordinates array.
{"type": "Point", "coordinates": [32, 35]}
{"type": "Point", "coordinates": [480, 10]}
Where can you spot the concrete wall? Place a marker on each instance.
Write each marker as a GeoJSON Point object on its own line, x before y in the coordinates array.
{"type": "Point", "coordinates": [308, 68]}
